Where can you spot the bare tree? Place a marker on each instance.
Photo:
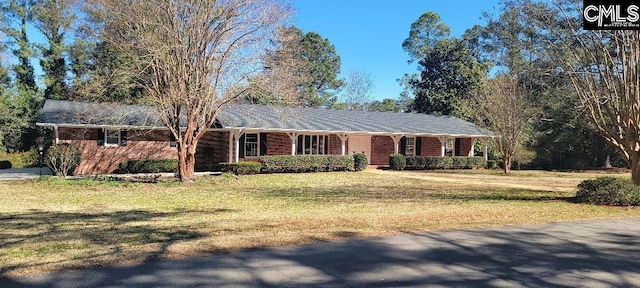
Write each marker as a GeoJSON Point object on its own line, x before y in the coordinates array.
{"type": "Point", "coordinates": [503, 107]}
{"type": "Point", "coordinates": [358, 90]}
{"type": "Point", "coordinates": [191, 56]}
{"type": "Point", "coordinates": [603, 67]}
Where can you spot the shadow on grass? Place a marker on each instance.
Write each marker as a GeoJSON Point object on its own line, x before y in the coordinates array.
{"type": "Point", "coordinates": [63, 240]}
{"type": "Point", "coordinates": [390, 192]}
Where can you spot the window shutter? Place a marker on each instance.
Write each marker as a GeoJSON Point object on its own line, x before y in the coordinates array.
{"type": "Point", "coordinates": [242, 146]}
{"type": "Point", "coordinates": [403, 146]}
{"type": "Point", "coordinates": [263, 144]}
{"type": "Point", "coordinates": [299, 145]}
{"type": "Point", "coordinates": [457, 147]}
{"type": "Point", "coordinates": [418, 145]}
{"type": "Point", "coordinates": [123, 138]}
{"type": "Point", "coordinates": [100, 137]}
{"type": "Point", "coordinates": [326, 145]}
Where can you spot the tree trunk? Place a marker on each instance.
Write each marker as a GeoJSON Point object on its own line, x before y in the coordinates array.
{"type": "Point", "coordinates": [507, 164]}
{"type": "Point", "coordinates": [186, 163]}
{"type": "Point", "coordinates": [635, 170]}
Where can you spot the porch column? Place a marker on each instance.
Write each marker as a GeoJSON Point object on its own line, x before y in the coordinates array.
{"type": "Point", "coordinates": [57, 134]}
{"type": "Point", "coordinates": [236, 135]}
{"type": "Point", "coordinates": [486, 150]}
{"type": "Point", "coordinates": [230, 157]}
{"type": "Point", "coordinates": [293, 137]}
{"type": "Point", "coordinates": [343, 138]}
{"type": "Point", "coordinates": [443, 140]}
{"type": "Point", "coordinates": [396, 143]}
{"type": "Point", "coordinates": [473, 148]}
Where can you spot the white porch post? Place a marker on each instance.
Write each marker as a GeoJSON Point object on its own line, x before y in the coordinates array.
{"type": "Point", "coordinates": [293, 137]}
{"type": "Point", "coordinates": [57, 134]}
{"type": "Point", "coordinates": [236, 135]}
{"type": "Point", "coordinates": [396, 143]}
{"type": "Point", "coordinates": [473, 148]}
{"type": "Point", "coordinates": [486, 150]}
{"type": "Point", "coordinates": [343, 139]}
{"type": "Point", "coordinates": [443, 141]}
{"type": "Point", "coordinates": [231, 133]}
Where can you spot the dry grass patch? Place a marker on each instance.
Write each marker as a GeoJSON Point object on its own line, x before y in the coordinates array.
{"type": "Point", "coordinates": [53, 225]}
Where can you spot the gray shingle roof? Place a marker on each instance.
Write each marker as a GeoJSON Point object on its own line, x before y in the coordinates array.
{"type": "Point", "coordinates": [259, 117]}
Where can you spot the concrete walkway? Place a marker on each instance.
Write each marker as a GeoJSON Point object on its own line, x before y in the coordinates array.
{"type": "Point", "coordinates": [604, 253]}
{"type": "Point", "coordinates": [23, 174]}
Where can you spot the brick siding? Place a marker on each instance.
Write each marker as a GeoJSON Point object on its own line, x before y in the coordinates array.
{"type": "Point", "coordinates": [465, 147]}
{"type": "Point", "coordinates": [141, 144]}
{"type": "Point", "coordinates": [431, 146]}
{"type": "Point", "coordinates": [381, 148]}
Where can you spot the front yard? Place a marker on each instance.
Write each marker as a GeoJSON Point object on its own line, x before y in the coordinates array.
{"type": "Point", "coordinates": [51, 224]}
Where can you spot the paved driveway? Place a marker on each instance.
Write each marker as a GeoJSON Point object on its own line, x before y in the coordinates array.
{"type": "Point", "coordinates": [604, 253]}
{"type": "Point", "coordinates": [22, 174]}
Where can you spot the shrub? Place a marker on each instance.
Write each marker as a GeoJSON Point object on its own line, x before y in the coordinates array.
{"type": "Point", "coordinates": [5, 164]}
{"type": "Point", "coordinates": [397, 162]}
{"type": "Point", "coordinates": [459, 162]}
{"type": "Point", "coordinates": [21, 160]}
{"type": "Point", "coordinates": [415, 162]}
{"type": "Point", "coordinates": [360, 161]}
{"type": "Point", "coordinates": [306, 163]}
{"type": "Point", "coordinates": [241, 168]}
{"type": "Point", "coordinates": [608, 191]}
{"type": "Point", "coordinates": [149, 166]}
{"type": "Point", "coordinates": [437, 162]}
{"type": "Point", "coordinates": [63, 159]}
{"type": "Point", "coordinates": [492, 164]}
{"type": "Point", "coordinates": [476, 162]}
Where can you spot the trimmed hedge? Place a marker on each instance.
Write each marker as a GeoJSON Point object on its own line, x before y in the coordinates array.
{"type": "Point", "coordinates": [5, 164]}
{"type": "Point", "coordinates": [608, 191]}
{"type": "Point", "coordinates": [241, 168]}
{"type": "Point", "coordinates": [21, 160]}
{"type": "Point", "coordinates": [397, 162]}
{"type": "Point", "coordinates": [360, 161]}
{"type": "Point", "coordinates": [434, 162]}
{"type": "Point", "coordinates": [149, 166]}
{"type": "Point", "coordinates": [492, 164]}
{"type": "Point", "coordinates": [306, 163]}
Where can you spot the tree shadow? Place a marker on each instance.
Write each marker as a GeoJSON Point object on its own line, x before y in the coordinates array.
{"type": "Point", "coordinates": [89, 239]}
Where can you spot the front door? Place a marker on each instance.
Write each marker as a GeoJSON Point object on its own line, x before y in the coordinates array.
{"type": "Point", "coordinates": [360, 144]}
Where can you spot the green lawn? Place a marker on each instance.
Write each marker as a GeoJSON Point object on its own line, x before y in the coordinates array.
{"type": "Point", "coordinates": [52, 224]}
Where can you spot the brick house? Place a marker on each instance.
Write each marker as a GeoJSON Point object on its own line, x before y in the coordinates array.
{"type": "Point", "coordinates": [108, 134]}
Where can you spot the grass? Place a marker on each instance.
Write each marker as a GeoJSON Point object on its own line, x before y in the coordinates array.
{"type": "Point", "coordinates": [52, 224]}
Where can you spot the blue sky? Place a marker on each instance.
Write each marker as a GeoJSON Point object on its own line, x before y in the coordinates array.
{"type": "Point", "coordinates": [368, 35]}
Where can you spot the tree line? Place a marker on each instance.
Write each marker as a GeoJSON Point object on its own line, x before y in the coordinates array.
{"type": "Point", "coordinates": [530, 73]}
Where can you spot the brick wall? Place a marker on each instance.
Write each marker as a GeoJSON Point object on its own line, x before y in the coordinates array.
{"type": "Point", "coordinates": [278, 144]}
{"type": "Point", "coordinates": [335, 145]}
{"type": "Point", "coordinates": [465, 146]}
{"type": "Point", "coordinates": [431, 146]}
{"type": "Point", "coordinates": [212, 149]}
{"type": "Point", "coordinates": [97, 159]}
{"type": "Point", "coordinates": [381, 148]}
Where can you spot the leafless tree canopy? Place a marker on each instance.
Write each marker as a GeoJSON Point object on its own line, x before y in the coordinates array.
{"type": "Point", "coordinates": [359, 89]}
{"type": "Point", "coordinates": [191, 56]}
{"type": "Point", "coordinates": [603, 69]}
{"type": "Point", "coordinates": [503, 106]}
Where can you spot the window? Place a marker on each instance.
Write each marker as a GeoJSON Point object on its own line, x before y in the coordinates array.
{"type": "Point", "coordinates": [312, 144]}
{"type": "Point", "coordinates": [410, 146]}
{"type": "Point", "coordinates": [448, 147]}
{"type": "Point", "coordinates": [251, 145]}
{"type": "Point", "coordinates": [111, 137]}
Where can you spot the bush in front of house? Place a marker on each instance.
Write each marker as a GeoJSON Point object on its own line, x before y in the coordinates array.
{"type": "Point", "coordinates": [415, 162]}
{"type": "Point", "coordinates": [149, 166]}
{"type": "Point", "coordinates": [360, 161]}
{"type": "Point", "coordinates": [63, 158]}
{"type": "Point", "coordinates": [306, 163]}
{"type": "Point", "coordinates": [241, 168]}
{"type": "Point", "coordinates": [5, 164]}
{"type": "Point", "coordinates": [608, 191]}
{"type": "Point", "coordinates": [437, 162]}
{"type": "Point", "coordinates": [458, 162]}
{"type": "Point", "coordinates": [492, 164]}
{"type": "Point", "coordinates": [397, 162]}
{"type": "Point", "coordinates": [21, 160]}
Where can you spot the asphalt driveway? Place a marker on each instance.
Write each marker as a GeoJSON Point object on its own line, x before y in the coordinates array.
{"type": "Point", "coordinates": [603, 253]}
{"type": "Point", "coordinates": [23, 174]}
